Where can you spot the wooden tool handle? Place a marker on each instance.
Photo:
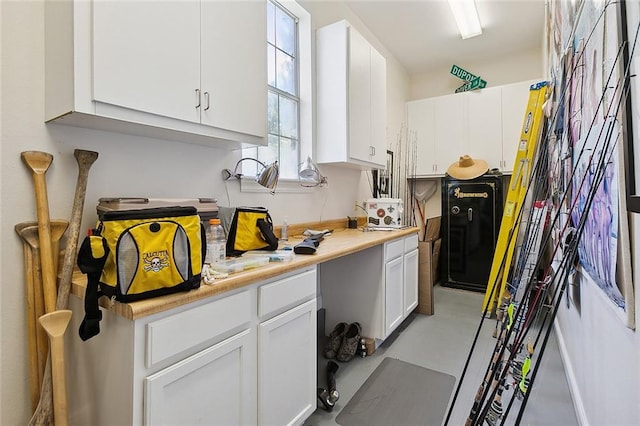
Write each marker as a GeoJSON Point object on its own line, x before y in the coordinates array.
{"type": "Point", "coordinates": [34, 380]}
{"type": "Point", "coordinates": [38, 162]}
{"type": "Point", "coordinates": [55, 323]}
{"type": "Point", "coordinates": [85, 159]}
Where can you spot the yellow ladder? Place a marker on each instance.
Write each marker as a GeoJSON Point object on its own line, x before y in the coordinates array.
{"type": "Point", "coordinates": [522, 168]}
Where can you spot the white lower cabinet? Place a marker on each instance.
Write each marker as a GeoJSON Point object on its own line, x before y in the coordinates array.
{"type": "Point", "coordinates": [244, 358]}
{"type": "Point", "coordinates": [410, 270]}
{"type": "Point", "coordinates": [287, 360]}
{"type": "Point", "coordinates": [394, 302]}
{"type": "Point", "coordinates": [179, 394]}
{"type": "Point", "coordinates": [401, 280]}
{"type": "Point", "coordinates": [377, 287]}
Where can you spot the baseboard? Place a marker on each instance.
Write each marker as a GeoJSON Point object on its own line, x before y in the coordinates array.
{"type": "Point", "coordinates": [578, 406]}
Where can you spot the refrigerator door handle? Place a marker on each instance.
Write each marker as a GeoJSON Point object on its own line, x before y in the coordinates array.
{"type": "Point", "coordinates": [470, 214]}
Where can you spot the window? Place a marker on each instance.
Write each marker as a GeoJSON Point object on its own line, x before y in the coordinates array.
{"type": "Point", "coordinates": [283, 110]}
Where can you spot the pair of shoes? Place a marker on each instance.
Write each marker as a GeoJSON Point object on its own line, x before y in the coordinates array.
{"type": "Point", "coordinates": [350, 343]}
{"type": "Point", "coordinates": [335, 340]}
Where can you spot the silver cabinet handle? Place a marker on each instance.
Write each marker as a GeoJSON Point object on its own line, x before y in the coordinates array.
{"type": "Point", "coordinates": [206, 101]}
{"type": "Point", "coordinates": [470, 214]}
{"type": "Point", "coordinates": [198, 98]}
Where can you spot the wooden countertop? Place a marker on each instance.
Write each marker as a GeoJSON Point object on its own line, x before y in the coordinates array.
{"type": "Point", "coordinates": [340, 243]}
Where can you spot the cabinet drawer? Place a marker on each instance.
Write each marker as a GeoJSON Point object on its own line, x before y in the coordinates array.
{"type": "Point", "coordinates": [410, 243]}
{"type": "Point", "coordinates": [393, 249]}
{"type": "Point", "coordinates": [280, 294]}
{"type": "Point", "coordinates": [179, 332]}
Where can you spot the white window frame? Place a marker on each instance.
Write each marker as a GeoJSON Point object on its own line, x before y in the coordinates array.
{"type": "Point", "coordinates": [305, 108]}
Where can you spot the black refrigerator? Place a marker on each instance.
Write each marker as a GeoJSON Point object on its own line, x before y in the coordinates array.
{"type": "Point", "coordinates": [471, 216]}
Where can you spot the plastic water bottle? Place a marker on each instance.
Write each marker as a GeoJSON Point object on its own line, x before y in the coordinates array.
{"type": "Point", "coordinates": [216, 242]}
{"type": "Point", "coordinates": [284, 230]}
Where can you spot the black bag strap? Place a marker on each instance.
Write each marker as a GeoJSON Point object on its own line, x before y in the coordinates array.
{"type": "Point", "coordinates": [266, 229]}
{"type": "Point", "coordinates": [91, 259]}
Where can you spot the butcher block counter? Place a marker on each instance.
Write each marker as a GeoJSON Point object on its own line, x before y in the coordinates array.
{"type": "Point", "coordinates": [341, 242]}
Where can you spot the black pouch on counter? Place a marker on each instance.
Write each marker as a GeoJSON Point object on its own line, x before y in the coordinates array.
{"type": "Point", "coordinates": [251, 229]}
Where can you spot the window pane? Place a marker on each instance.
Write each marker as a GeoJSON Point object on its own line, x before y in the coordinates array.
{"type": "Point", "coordinates": [249, 167]}
{"type": "Point", "coordinates": [271, 65]}
{"type": "Point", "coordinates": [285, 79]}
{"type": "Point", "coordinates": [288, 158]}
{"type": "Point", "coordinates": [288, 118]}
{"type": "Point", "coordinates": [268, 154]}
{"type": "Point", "coordinates": [272, 113]}
{"type": "Point", "coordinates": [271, 23]}
{"type": "Point", "coordinates": [285, 32]}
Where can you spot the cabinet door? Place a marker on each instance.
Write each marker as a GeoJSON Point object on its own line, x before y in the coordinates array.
{"type": "Point", "coordinates": [234, 66]}
{"type": "Point", "coordinates": [484, 112]}
{"type": "Point", "coordinates": [287, 361]}
{"type": "Point", "coordinates": [359, 114]}
{"type": "Point", "coordinates": [215, 386]}
{"type": "Point", "coordinates": [378, 108]}
{"type": "Point", "coordinates": [515, 98]}
{"type": "Point", "coordinates": [421, 124]}
{"type": "Point", "coordinates": [451, 133]}
{"type": "Point", "coordinates": [146, 56]}
{"type": "Point", "coordinates": [394, 299]}
{"type": "Point", "coordinates": [410, 281]}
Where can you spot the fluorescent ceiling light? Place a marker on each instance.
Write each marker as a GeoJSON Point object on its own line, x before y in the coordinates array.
{"type": "Point", "coordinates": [466, 15]}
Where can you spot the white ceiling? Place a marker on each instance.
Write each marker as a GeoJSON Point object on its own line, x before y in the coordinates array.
{"type": "Point", "coordinates": [422, 34]}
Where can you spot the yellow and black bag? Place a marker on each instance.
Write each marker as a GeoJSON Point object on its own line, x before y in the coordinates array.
{"type": "Point", "coordinates": [139, 254]}
{"type": "Point", "coordinates": [251, 229]}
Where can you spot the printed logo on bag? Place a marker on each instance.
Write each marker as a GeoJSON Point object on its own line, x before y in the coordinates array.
{"type": "Point", "coordinates": [156, 261]}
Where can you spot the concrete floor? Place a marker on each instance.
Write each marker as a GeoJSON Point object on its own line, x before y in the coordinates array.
{"type": "Point", "coordinates": [442, 342]}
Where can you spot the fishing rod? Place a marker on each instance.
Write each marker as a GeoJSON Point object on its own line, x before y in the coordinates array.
{"type": "Point", "coordinates": [517, 344]}
{"type": "Point", "coordinates": [592, 193]}
{"type": "Point", "coordinates": [601, 171]}
{"type": "Point", "coordinates": [501, 270]}
{"type": "Point", "coordinates": [584, 148]}
{"type": "Point", "coordinates": [511, 235]}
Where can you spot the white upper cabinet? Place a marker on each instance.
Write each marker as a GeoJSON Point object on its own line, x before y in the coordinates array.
{"type": "Point", "coordinates": [421, 118]}
{"type": "Point", "coordinates": [451, 131]}
{"type": "Point", "coordinates": [351, 99]}
{"type": "Point", "coordinates": [515, 98]}
{"type": "Point", "coordinates": [182, 70]}
{"type": "Point", "coordinates": [234, 65]}
{"type": "Point", "coordinates": [484, 109]}
{"type": "Point", "coordinates": [439, 127]}
{"type": "Point", "coordinates": [484, 124]}
{"type": "Point", "coordinates": [146, 56]}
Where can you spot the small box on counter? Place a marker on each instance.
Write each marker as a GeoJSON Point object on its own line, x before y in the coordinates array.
{"type": "Point", "coordinates": [207, 207]}
{"type": "Point", "coordinates": [384, 212]}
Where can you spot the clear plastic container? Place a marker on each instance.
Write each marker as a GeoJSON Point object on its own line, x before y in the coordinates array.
{"type": "Point", "coordinates": [273, 256]}
{"type": "Point", "coordinates": [216, 242]}
{"type": "Point", "coordinates": [240, 264]}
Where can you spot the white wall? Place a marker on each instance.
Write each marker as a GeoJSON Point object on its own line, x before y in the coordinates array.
{"type": "Point", "coordinates": [327, 12]}
{"type": "Point", "coordinates": [601, 355]}
{"type": "Point", "coordinates": [127, 166]}
{"type": "Point", "coordinates": [526, 65]}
